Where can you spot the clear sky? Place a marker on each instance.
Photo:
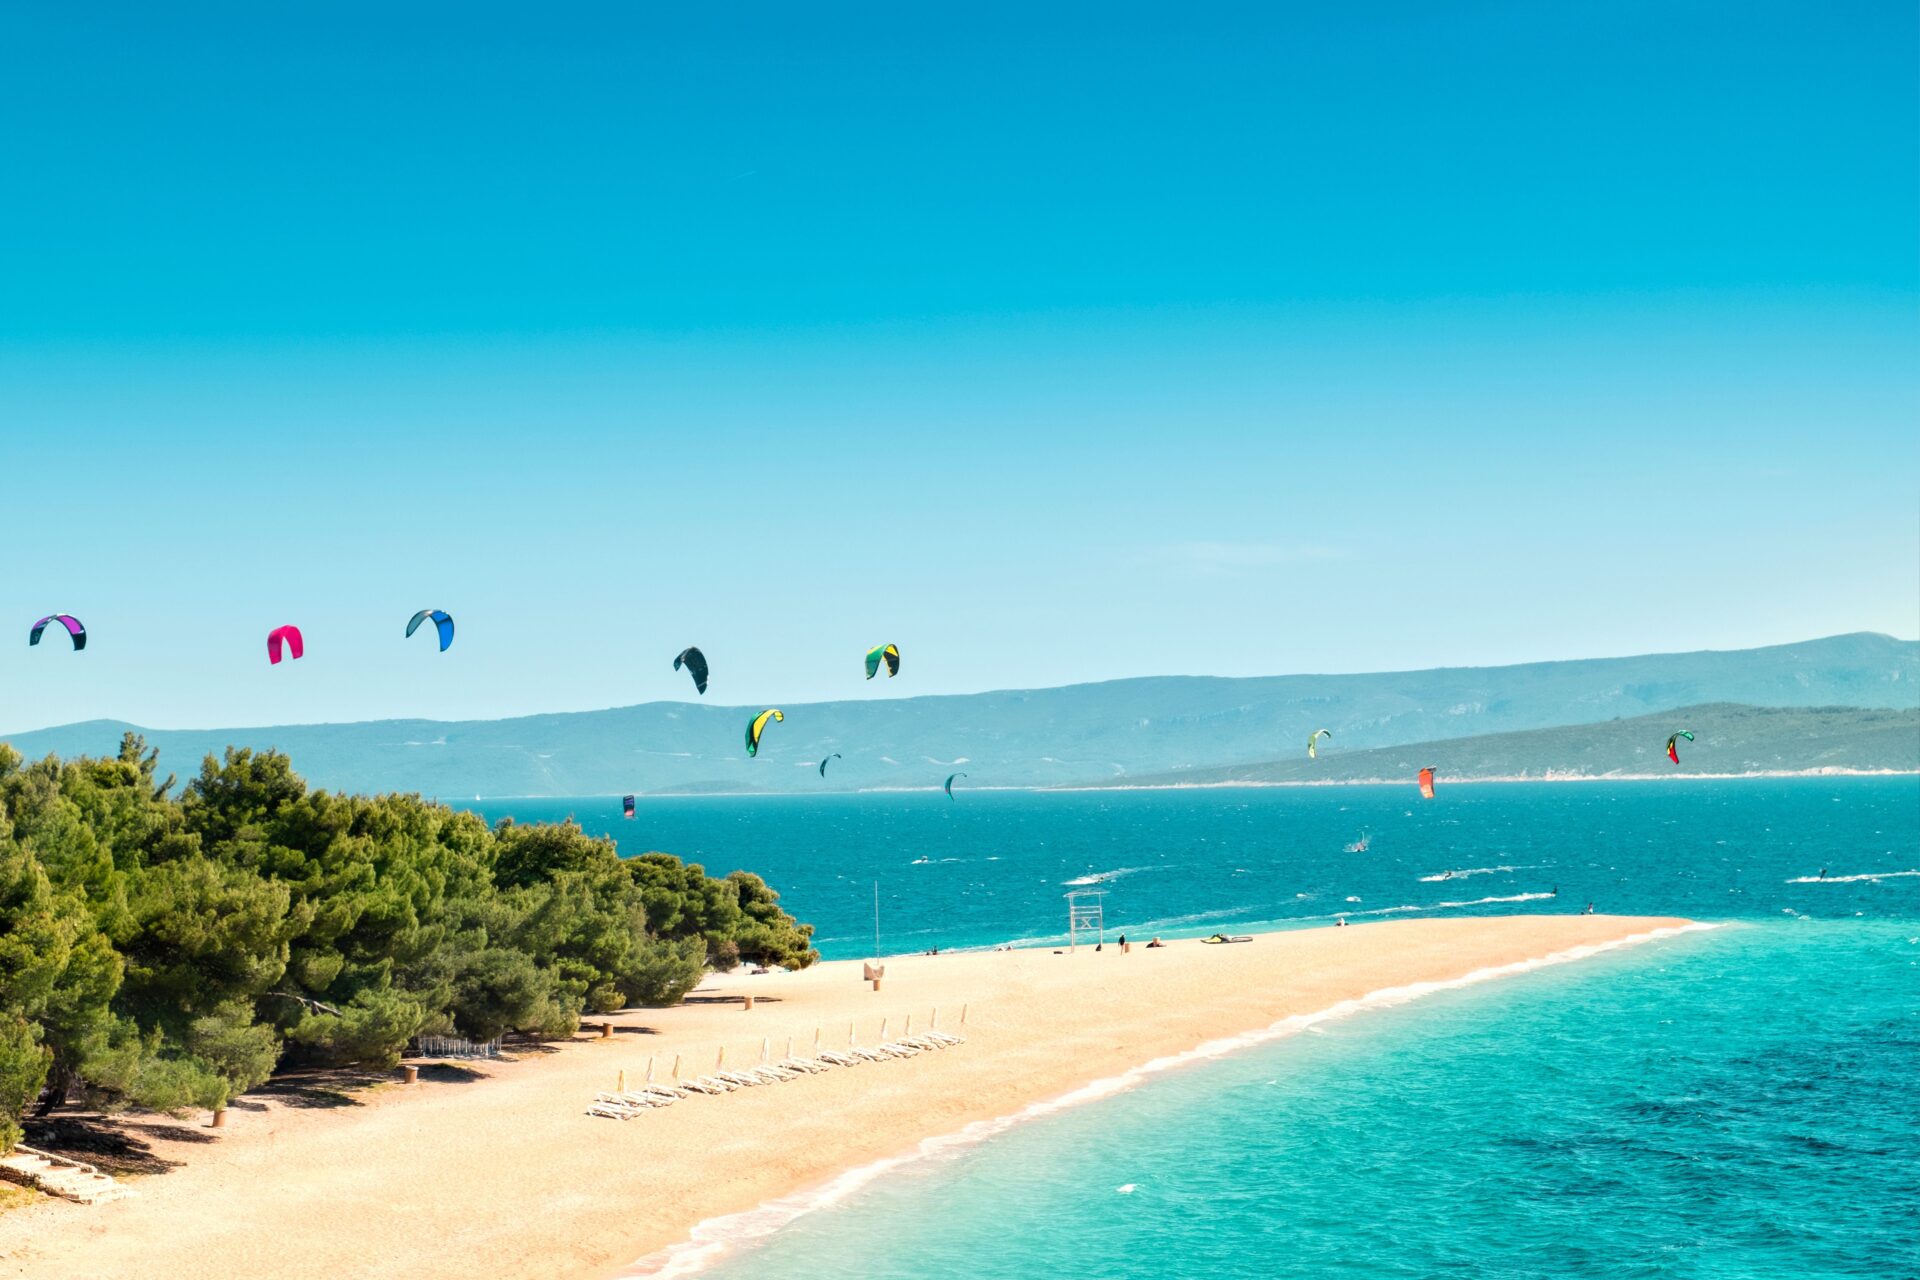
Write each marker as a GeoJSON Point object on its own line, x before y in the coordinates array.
{"type": "Point", "coordinates": [1053, 343]}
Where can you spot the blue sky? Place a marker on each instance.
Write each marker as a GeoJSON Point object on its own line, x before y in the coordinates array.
{"type": "Point", "coordinates": [1117, 340]}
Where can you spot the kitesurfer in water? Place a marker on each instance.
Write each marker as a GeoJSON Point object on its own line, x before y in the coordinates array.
{"type": "Point", "coordinates": [1823, 873]}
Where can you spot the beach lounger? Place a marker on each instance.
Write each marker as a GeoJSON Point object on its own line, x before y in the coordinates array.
{"type": "Point", "coordinates": [834, 1057]}
{"type": "Point", "coordinates": [647, 1098]}
{"type": "Point", "coordinates": [809, 1065]}
{"type": "Point", "coordinates": [629, 1100]}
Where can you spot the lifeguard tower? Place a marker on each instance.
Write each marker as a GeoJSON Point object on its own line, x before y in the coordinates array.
{"type": "Point", "coordinates": [1086, 913]}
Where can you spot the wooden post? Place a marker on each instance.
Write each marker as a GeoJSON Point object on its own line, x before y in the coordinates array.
{"type": "Point", "coordinates": [746, 1002]}
{"type": "Point", "coordinates": [219, 1117]}
{"type": "Point", "coordinates": [606, 1031]}
{"type": "Point", "coordinates": [410, 1074]}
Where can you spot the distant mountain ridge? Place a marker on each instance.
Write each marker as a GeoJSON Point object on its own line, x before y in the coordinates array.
{"type": "Point", "coordinates": [1728, 739]}
{"type": "Point", "coordinates": [1071, 735]}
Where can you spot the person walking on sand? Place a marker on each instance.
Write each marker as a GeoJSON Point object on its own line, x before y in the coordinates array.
{"type": "Point", "coordinates": [1588, 911]}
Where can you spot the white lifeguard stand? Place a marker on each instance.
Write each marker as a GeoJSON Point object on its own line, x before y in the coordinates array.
{"type": "Point", "coordinates": [1086, 913]}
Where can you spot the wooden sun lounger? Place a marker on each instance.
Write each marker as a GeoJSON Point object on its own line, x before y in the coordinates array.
{"type": "Point", "coordinates": [833, 1057]}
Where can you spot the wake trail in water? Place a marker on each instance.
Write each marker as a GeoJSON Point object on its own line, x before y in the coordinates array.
{"type": "Point", "coordinates": [1873, 875]}
{"type": "Point", "coordinates": [1472, 871]}
{"type": "Point", "coordinates": [1101, 877]}
{"type": "Point", "coordinates": [1434, 906]}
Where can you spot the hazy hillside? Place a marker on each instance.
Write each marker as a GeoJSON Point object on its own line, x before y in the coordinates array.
{"type": "Point", "coordinates": [1073, 735]}
{"type": "Point", "coordinates": [1727, 739]}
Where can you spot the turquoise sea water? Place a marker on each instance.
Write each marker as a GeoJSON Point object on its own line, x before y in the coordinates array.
{"type": "Point", "coordinates": [1743, 1102]}
{"type": "Point", "coordinates": [991, 867]}
{"type": "Point", "coordinates": [1734, 1104]}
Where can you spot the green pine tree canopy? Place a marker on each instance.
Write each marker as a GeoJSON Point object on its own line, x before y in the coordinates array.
{"type": "Point", "coordinates": [168, 951]}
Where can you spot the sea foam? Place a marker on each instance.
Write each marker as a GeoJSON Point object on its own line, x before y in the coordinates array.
{"type": "Point", "coordinates": [1875, 875]}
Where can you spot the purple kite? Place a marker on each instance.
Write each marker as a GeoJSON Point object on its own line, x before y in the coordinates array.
{"type": "Point", "coordinates": [288, 636]}
{"type": "Point", "coordinates": [67, 620]}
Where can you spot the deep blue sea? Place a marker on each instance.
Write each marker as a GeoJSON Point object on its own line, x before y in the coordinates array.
{"type": "Point", "coordinates": [1743, 1102]}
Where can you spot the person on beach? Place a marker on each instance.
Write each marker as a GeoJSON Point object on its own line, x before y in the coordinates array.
{"type": "Point", "coordinates": [1588, 911]}
{"type": "Point", "coordinates": [1155, 943]}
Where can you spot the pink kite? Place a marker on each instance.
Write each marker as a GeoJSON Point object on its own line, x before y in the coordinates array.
{"type": "Point", "coordinates": [288, 636]}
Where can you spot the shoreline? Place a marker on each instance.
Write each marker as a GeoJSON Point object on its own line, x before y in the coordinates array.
{"type": "Point", "coordinates": [496, 1166]}
{"type": "Point", "coordinates": [716, 1239]}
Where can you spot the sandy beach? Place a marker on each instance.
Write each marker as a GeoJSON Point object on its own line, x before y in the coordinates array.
{"type": "Point", "coordinates": [502, 1173]}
